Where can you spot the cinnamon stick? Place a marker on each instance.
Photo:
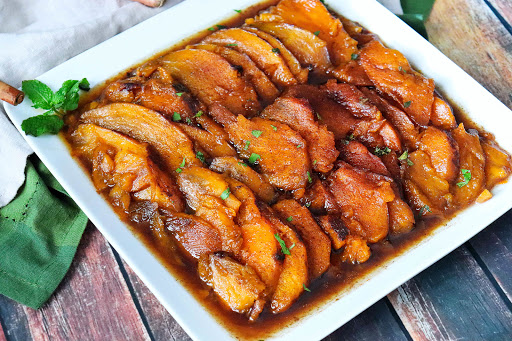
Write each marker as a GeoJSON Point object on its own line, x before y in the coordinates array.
{"type": "Point", "coordinates": [151, 3]}
{"type": "Point", "coordinates": [10, 95]}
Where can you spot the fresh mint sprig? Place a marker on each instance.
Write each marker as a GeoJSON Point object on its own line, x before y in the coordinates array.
{"type": "Point", "coordinates": [56, 105]}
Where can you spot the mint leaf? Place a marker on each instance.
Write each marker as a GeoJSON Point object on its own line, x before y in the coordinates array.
{"type": "Point", "coordinates": [67, 96]}
{"type": "Point", "coordinates": [39, 93]}
{"type": "Point", "coordinates": [42, 124]}
{"type": "Point", "coordinates": [84, 85]}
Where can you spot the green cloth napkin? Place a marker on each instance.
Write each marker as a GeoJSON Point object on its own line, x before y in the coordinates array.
{"type": "Point", "coordinates": [39, 233]}
{"type": "Point", "coordinates": [416, 12]}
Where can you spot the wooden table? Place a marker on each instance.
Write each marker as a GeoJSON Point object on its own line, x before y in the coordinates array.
{"type": "Point", "coordinates": [466, 295]}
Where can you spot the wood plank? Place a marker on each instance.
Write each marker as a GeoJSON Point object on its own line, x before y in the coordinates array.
{"type": "Point", "coordinates": [468, 32]}
{"type": "Point", "coordinates": [453, 299]}
{"type": "Point", "coordinates": [375, 323]}
{"type": "Point", "coordinates": [14, 320]}
{"type": "Point", "coordinates": [161, 324]}
{"type": "Point", "coordinates": [92, 303]}
{"type": "Point", "coordinates": [494, 247]}
{"type": "Point", "coordinates": [504, 8]}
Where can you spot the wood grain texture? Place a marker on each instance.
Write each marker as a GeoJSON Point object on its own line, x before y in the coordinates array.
{"type": "Point", "coordinates": [468, 32]}
{"type": "Point", "coordinates": [14, 320]}
{"type": "Point", "coordinates": [504, 8]}
{"type": "Point", "coordinates": [453, 299]}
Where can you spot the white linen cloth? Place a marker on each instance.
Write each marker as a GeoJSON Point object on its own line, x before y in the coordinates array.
{"type": "Point", "coordinates": [37, 35]}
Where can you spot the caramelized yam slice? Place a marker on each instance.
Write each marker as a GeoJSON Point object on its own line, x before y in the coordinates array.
{"type": "Point", "coordinates": [399, 119]}
{"type": "Point", "coordinates": [212, 79]}
{"type": "Point", "coordinates": [498, 164]}
{"type": "Point", "coordinates": [146, 125]}
{"type": "Point", "coordinates": [391, 73]}
{"type": "Point", "coordinates": [278, 47]}
{"type": "Point", "coordinates": [353, 100]}
{"type": "Point", "coordinates": [259, 50]}
{"type": "Point", "coordinates": [357, 155]}
{"type": "Point", "coordinates": [298, 115]}
{"type": "Point", "coordinates": [262, 84]}
{"type": "Point", "coordinates": [237, 286]}
{"type": "Point", "coordinates": [422, 206]}
{"type": "Point", "coordinates": [363, 200]}
{"type": "Point", "coordinates": [124, 90]}
{"type": "Point", "coordinates": [312, 15]}
{"type": "Point", "coordinates": [196, 236]}
{"type": "Point", "coordinates": [401, 217]}
{"type": "Point", "coordinates": [442, 151]}
{"type": "Point", "coordinates": [240, 171]}
{"type": "Point", "coordinates": [309, 49]}
{"type": "Point", "coordinates": [259, 248]}
{"type": "Point", "coordinates": [318, 245]}
{"type": "Point", "coordinates": [294, 275]}
{"type": "Point", "coordinates": [337, 231]}
{"type": "Point", "coordinates": [352, 73]}
{"type": "Point", "coordinates": [356, 250]}
{"type": "Point", "coordinates": [472, 159]}
{"type": "Point", "coordinates": [319, 199]}
{"type": "Point", "coordinates": [442, 115]}
{"type": "Point", "coordinates": [214, 145]}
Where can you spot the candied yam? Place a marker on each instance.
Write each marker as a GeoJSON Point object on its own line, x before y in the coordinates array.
{"type": "Point", "coordinates": [441, 149]}
{"type": "Point", "coordinates": [262, 84]}
{"type": "Point", "coordinates": [419, 202]}
{"type": "Point", "coordinates": [310, 50]}
{"type": "Point", "coordinates": [317, 243]}
{"type": "Point", "coordinates": [334, 228]}
{"type": "Point", "coordinates": [401, 217]}
{"type": "Point", "coordinates": [124, 90]}
{"type": "Point", "coordinates": [301, 74]}
{"type": "Point", "coordinates": [313, 16]}
{"type": "Point", "coordinates": [211, 126]}
{"type": "Point", "coordinates": [484, 196]}
{"type": "Point", "coordinates": [214, 145]}
{"type": "Point", "coordinates": [472, 159]}
{"type": "Point", "coordinates": [353, 100]}
{"type": "Point", "coordinates": [352, 73]}
{"type": "Point", "coordinates": [294, 275]}
{"type": "Point", "coordinates": [237, 286]}
{"type": "Point", "coordinates": [498, 164]}
{"type": "Point", "coordinates": [319, 199]}
{"type": "Point", "coordinates": [357, 155]}
{"type": "Point", "coordinates": [146, 125]}
{"type": "Point", "coordinates": [356, 250]}
{"type": "Point", "coordinates": [399, 119]}
{"type": "Point", "coordinates": [298, 115]}
{"type": "Point", "coordinates": [211, 79]}
{"type": "Point", "coordinates": [195, 235]}
{"type": "Point", "coordinates": [363, 201]}
{"type": "Point", "coordinates": [442, 115]}
{"type": "Point", "coordinates": [259, 50]}
{"type": "Point", "coordinates": [236, 169]}
{"type": "Point", "coordinates": [391, 73]}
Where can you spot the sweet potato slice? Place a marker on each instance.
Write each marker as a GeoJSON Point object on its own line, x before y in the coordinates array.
{"type": "Point", "coordinates": [259, 50]}
{"type": "Point", "coordinates": [301, 74]}
{"type": "Point", "coordinates": [262, 84]}
{"type": "Point", "coordinates": [317, 243]}
{"type": "Point", "coordinates": [442, 151]}
{"type": "Point", "coordinates": [298, 115]}
{"type": "Point", "coordinates": [363, 201]}
{"type": "Point", "coordinates": [312, 15]}
{"type": "Point", "coordinates": [472, 159]}
{"type": "Point", "coordinates": [420, 203]}
{"type": "Point", "coordinates": [352, 73]}
{"type": "Point", "coordinates": [240, 171]}
{"type": "Point", "coordinates": [211, 79]}
{"type": "Point", "coordinates": [237, 286]}
{"type": "Point", "coordinates": [353, 100]}
{"type": "Point", "coordinates": [357, 155]}
{"type": "Point", "coordinates": [356, 250]}
{"type": "Point", "coordinates": [442, 115]}
{"type": "Point", "coordinates": [334, 228]}
{"type": "Point", "coordinates": [391, 73]}
{"type": "Point", "coordinates": [498, 164]}
{"type": "Point", "coordinates": [401, 217]}
{"type": "Point", "coordinates": [195, 235]}
{"type": "Point", "coordinates": [146, 125]}
{"type": "Point", "coordinates": [319, 199]}
{"type": "Point", "coordinates": [294, 275]}
{"type": "Point", "coordinates": [309, 49]}
{"type": "Point", "coordinates": [214, 145]}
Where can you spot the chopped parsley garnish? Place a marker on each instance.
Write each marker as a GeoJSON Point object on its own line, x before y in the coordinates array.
{"type": "Point", "coordinates": [179, 94]}
{"type": "Point", "coordinates": [314, 162]}
{"type": "Point", "coordinates": [401, 69]}
{"type": "Point", "coordinates": [307, 204]}
{"type": "Point", "coordinates": [291, 246]}
{"type": "Point", "coordinates": [247, 143]}
{"type": "Point", "coordinates": [316, 33]}
{"type": "Point", "coordinates": [256, 133]}
{"type": "Point", "coordinates": [233, 44]}
{"type": "Point", "coordinates": [363, 100]}
{"type": "Point", "coordinates": [299, 146]}
{"type": "Point", "coordinates": [405, 157]}
{"type": "Point", "coordinates": [253, 158]}
{"type": "Point", "coordinates": [310, 180]}
{"type": "Point", "coordinates": [466, 175]}
{"type": "Point", "coordinates": [281, 242]}
{"type": "Point", "coordinates": [350, 137]}
{"type": "Point", "coordinates": [274, 127]}
{"type": "Point", "coordinates": [305, 287]}
{"type": "Point", "coordinates": [380, 152]}
{"type": "Point", "coordinates": [407, 104]}
{"type": "Point", "coordinates": [180, 168]}
{"type": "Point", "coordinates": [290, 218]}
{"type": "Point", "coordinates": [211, 29]}
{"type": "Point", "coordinates": [238, 10]}
{"type": "Point", "coordinates": [318, 116]}
{"type": "Point", "coordinates": [425, 209]}
{"type": "Point", "coordinates": [199, 113]}
{"type": "Point", "coordinates": [200, 156]}
{"type": "Point", "coordinates": [220, 27]}
{"type": "Point", "coordinates": [242, 164]}
{"type": "Point", "coordinates": [276, 50]}
{"type": "Point", "coordinates": [225, 194]}
{"type": "Point", "coordinates": [188, 120]}
{"type": "Point", "coordinates": [176, 117]}
{"type": "Point", "coordinates": [354, 56]}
